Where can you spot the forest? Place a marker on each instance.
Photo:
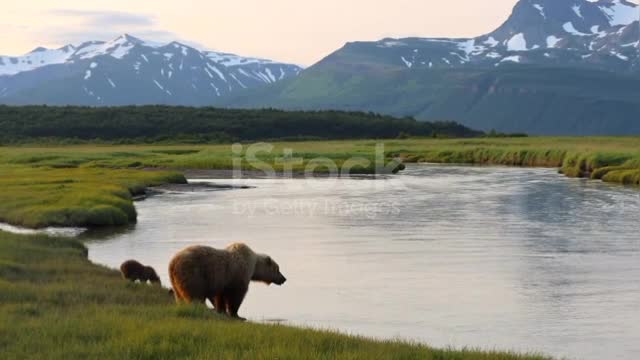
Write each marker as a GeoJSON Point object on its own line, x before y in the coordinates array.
{"type": "Point", "coordinates": [169, 124]}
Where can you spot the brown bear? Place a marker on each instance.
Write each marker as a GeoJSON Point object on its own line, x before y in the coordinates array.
{"type": "Point", "coordinates": [199, 273]}
{"type": "Point", "coordinates": [133, 270]}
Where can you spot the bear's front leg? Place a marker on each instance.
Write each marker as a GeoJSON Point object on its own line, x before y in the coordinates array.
{"type": "Point", "coordinates": [219, 304]}
{"type": "Point", "coordinates": [234, 299]}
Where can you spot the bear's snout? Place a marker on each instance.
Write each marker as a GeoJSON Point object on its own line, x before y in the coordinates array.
{"type": "Point", "coordinates": [281, 280]}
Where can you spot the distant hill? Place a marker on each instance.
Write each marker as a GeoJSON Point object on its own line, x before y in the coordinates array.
{"type": "Point", "coordinates": [537, 101]}
{"type": "Point", "coordinates": [564, 67]}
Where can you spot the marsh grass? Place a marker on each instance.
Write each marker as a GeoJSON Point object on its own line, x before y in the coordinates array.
{"type": "Point", "coordinates": [89, 185]}
{"type": "Point", "coordinates": [48, 196]}
{"type": "Point", "coordinates": [55, 304]}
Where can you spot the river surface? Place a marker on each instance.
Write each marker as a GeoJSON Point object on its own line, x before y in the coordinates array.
{"type": "Point", "coordinates": [489, 257]}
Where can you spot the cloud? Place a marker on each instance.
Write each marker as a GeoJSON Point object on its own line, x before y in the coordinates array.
{"type": "Point", "coordinates": [78, 36]}
{"type": "Point", "coordinates": [105, 25]}
{"type": "Point", "coordinates": [106, 18]}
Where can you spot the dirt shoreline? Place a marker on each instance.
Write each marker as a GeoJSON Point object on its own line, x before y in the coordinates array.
{"type": "Point", "coordinates": [229, 174]}
{"type": "Point", "coordinates": [218, 174]}
{"type": "Point", "coordinates": [187, 188]}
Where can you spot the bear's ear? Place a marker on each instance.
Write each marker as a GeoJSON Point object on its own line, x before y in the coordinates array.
{"type": "Point", "coordinates": [269, 261]}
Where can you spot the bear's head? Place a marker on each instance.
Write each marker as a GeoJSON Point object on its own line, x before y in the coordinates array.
{"type": "Point", "coordinates": [267, 271]}
{"type": "Point", "coordinates": [151, 275]}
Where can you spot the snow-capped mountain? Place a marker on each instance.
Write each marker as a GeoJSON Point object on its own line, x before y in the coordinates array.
{"type": "Point", "coordinates": [603, 34]}
{"type": "Point", "coordinates": [128, 70]}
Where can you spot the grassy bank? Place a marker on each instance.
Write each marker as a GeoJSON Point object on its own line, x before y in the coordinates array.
{"type": "Point", "coordinates": [55, 304]}
{"type": "Point", "coordinates": [611, 159]}
{"type": "Point", "coordinates": [48, 196]}
{"type": "Point", "coordinates": [90, 185]}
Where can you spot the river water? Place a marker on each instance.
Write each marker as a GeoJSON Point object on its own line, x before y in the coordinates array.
{"type": "Point", "coordinates": [490, 257]}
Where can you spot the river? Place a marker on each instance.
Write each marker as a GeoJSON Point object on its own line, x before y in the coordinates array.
{"type": "Point", "coordinates": [491, 257]}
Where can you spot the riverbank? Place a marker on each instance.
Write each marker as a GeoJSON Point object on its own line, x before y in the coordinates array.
{"type": "Point", "coordinates": [55, 304]}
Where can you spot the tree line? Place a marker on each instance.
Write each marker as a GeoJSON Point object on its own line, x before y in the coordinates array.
{"type": "Point", "coordinates": [150, 124]}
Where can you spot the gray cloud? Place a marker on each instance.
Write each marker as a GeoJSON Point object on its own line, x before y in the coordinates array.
{"type": "Point", "coordinates": [106, 25]}
{"type": "Point", "coordinates": [77, 36]}
{"type": "Point", "coordinates": [106, 18]}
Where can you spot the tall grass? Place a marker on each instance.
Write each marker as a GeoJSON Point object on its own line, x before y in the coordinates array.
{"type": "Point", "coordinates": [55, 304]}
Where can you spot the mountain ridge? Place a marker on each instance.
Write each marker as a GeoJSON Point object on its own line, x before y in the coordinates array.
{"type": "Point", "coordinates": [97, 72]}
{"type": "Point", "coordinates": [604, 34]}
{"type": "Point", "coordinates": [535, 73]}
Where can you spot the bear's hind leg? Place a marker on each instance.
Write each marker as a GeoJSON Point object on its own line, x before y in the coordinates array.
{"type": "Point", "coordinates": [187, 296]}
{"type": "Point", "coordinates": [177, 294]}
{"type": "Point", "coordinates": [234, 298]}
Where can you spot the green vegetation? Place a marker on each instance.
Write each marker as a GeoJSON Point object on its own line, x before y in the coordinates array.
{"type": "Point", "coordinates": [90, 185]}
{"type": "Point", "coordinates": [164, 124]}
{"type": "Point", "coordinates": [55, 304]}
{"type": "Point", "coordinates": [611, 159]}
{"type": "Point", "coordinates": [45, 196]}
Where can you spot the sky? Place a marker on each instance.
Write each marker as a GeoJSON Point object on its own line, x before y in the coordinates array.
{"type": "Point", "coordinates": [296, 31]}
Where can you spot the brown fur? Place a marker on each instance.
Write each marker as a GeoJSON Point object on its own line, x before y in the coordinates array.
{"type": "Point", "coordinates": [134, 271]}
{"type": "Point", "coordinates": [199, 273]}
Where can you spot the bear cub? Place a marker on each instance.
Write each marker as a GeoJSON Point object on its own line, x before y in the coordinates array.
{"type": "Point", "coordinates": [133, 270]}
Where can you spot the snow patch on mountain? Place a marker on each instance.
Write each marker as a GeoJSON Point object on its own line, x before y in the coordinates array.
{"type": "Point", "coordinates": [568, 27]}
{"type": "Point", "coordinates": [270, 75]}
{"type": "Point", "coordinates": [158, 85]}
{"type": "Point", "coordinates": [408, 63]}
{"type": "Point", "coordinates": [540, 8]}
{"type": "Point", "coordinates": [517, 43]}
{"type": "Point", "coordinates": [552, 41]}
{"type": "Point", "coordinates": [218, 72]}
{"type": "Point", "coordinates": [491, 41]}
{"type": "Point", "coordinates": [13, 65]}
{"type": "Point", "coordinates": [576, 9]}
{"type": "Point", "coordinates": [238, 81]}
{"type": "Point", "coordinates": [513, 58]}
{"type": "Point", "coordinates": [620, 12]}
{"type": "Point", "coordinates": [234, 60]}
{"type": "Point", "coordinates": [116, 48]}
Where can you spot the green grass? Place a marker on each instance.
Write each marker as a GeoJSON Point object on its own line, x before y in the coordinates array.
{"type": "Point", "coordinates": [55, 304]}
{"type": "Point", "coordinates": [46, 196]}
{"type": "Point", "coordinates": [89, 185]}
